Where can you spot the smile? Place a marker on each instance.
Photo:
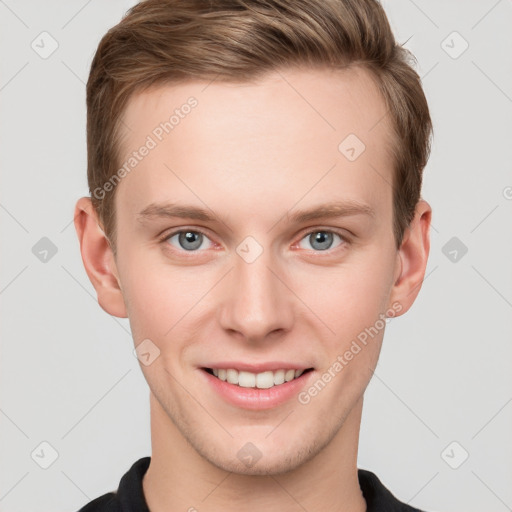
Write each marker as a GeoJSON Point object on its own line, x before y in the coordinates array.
{"type": "Point", "coordinates": [262, 380]}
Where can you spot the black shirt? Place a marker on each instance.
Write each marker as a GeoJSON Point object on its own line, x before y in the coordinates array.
{"type": "Point", "coordinates": [130, 496]}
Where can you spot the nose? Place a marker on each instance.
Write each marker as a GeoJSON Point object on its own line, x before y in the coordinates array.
{"type": "Point", "coordinates": [256, 300]}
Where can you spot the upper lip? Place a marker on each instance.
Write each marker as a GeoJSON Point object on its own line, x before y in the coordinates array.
{"type": "Point", "coordinates": [258, 367]}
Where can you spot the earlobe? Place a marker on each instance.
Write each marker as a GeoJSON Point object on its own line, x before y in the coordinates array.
{"type": "Point", "coordinates": [98, 259]}
{"type": "Point", "coordinates": [413, 257]}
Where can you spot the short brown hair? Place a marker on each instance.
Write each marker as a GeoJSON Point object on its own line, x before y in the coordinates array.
{"type": "Point", "coordinates": [163, 42]}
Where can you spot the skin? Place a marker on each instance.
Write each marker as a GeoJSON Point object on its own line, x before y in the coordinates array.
{"type": "Point", "coordinates": [253, 154]}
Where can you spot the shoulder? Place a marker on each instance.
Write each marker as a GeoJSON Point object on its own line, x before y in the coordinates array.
{"type": "Point", "coordinates": [378, 497]}
{"type": "Point", "coordinates": [129, 497]}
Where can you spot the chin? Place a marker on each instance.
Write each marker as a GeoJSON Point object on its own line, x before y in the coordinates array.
{"type": "Point", "coordinates": [264, 466]}
{"type": "Point", "coordinates": [260, 457]}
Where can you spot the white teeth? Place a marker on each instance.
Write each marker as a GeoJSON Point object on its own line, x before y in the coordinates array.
{"type": "Point", "coordinates": [232, 376]}
{"type": "Point", "coordinates": [263, 380]}
{"type": "Point", "coordinates": [246, 379]}
{"type": "Point", "coordinates": [279, 377]}
{"type": "Point", "coordinates": [289, 375]}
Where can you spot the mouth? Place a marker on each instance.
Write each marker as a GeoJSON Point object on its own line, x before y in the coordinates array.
{"type": "Point", "coordinates": [262, 380]}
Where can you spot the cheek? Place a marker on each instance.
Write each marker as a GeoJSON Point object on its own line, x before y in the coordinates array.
{"type": "Point", "coordinates": [349, 298]}
{"type": "Point", "coordinates": [157, 295]}
{"type": "Point", "coordinates": [350, 305]}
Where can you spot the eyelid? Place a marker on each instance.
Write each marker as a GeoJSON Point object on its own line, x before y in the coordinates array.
{"type": "Point", "coordinates": [308, 231]}
{"type": "Point", "coordinates": [167, 234]}
{"type": "Point", "coordinates": [341, 233]}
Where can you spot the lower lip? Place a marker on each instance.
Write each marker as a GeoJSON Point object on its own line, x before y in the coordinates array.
{"type": "Point", "coordinates": [255, 398]}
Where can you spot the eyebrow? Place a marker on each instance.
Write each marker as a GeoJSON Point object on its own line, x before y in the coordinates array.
{"type": "Point", "coordinates": [328, 210]}
{"type": "Point", "coordinates": [332, 210]}
{"type": "Point", "coordinates": [169, 210]}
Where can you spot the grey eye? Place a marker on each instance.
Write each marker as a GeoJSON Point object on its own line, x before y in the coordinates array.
{"type": "Point", "coordinates": [188, 240]}
{"type": "Point", "coordinates": [320, 240]}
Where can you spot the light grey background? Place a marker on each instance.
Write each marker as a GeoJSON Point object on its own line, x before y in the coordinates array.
{"type": "Point", "coordinates": [68, 376]}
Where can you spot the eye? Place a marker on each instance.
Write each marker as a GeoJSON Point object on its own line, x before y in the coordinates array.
{"type": "Point", "coordinates": [188, 240]}
{"type": "Point", "coordinates": [191, 240]}
{"type": "Point", "coordinates": [321, 240]}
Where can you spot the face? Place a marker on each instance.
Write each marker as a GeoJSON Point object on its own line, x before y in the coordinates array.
{"type": "Point", "coordinates": [248, 239]}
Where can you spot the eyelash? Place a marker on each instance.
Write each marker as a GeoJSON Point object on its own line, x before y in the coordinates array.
{"type": "Point", "coordinates": [344, 239]}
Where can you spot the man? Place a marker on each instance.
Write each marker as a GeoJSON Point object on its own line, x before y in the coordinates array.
{"type": "Point", "coordinates": [255, 171]}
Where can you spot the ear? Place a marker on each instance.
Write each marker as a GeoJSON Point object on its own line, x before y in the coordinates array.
{"type": "Point", "coordinates": [412, 258]}
{"type": "Point", "coordinates": [98, 258]}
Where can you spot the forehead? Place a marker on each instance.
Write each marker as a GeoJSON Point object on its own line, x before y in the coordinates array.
{"type": "Point", "coordinates": [264, 141]}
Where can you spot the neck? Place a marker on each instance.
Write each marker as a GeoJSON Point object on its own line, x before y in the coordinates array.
{"type": "Point", "coordinates": [179, 478]}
